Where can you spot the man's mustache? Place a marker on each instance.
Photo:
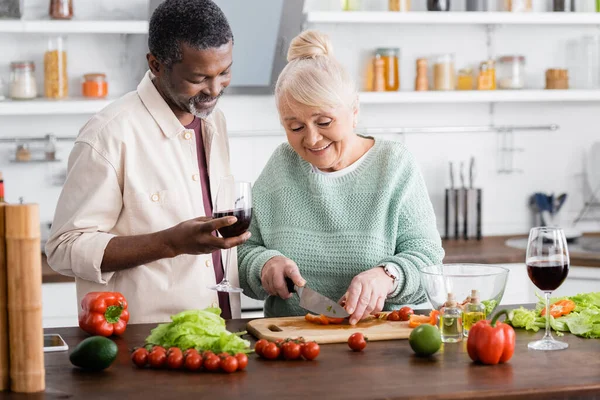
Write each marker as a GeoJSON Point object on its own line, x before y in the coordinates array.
{"type": "Point", "coordinates": [205, 99]}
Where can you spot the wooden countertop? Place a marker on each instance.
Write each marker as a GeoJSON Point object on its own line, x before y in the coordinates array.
{"type": "Point", "coordinates": [385, 370]}
{"type": "Point", "coordinates": [489, 250]}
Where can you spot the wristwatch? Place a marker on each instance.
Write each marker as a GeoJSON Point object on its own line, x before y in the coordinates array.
{"type": "Point", "coordinates": [391, 271]}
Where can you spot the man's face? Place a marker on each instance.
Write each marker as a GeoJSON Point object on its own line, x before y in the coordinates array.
{"type": "Point", "coordinates": [195, 84]}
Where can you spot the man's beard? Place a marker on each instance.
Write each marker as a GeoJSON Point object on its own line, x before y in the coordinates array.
{"type": "Point", "coordinates": [190, 104]}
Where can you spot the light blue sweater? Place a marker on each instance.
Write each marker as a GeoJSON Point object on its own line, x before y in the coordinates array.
{"type": "Point", "coordinates": [337, 227]}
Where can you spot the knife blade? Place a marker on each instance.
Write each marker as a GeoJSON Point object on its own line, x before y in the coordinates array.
{"type": "Point", "coordinates": [315, 302]}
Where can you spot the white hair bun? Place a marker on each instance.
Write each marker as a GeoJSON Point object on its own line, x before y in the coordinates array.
{"type": "Point", "coordinates": [309, 44]}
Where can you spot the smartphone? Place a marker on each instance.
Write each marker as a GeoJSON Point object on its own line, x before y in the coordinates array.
{"type": "Point", "coordinates": [54, 342]}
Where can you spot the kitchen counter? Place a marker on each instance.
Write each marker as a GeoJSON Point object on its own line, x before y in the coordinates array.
{"type": "Point", "coordinates": [489, 250]}
{"type": "Point", "coordinates": [384, 370]}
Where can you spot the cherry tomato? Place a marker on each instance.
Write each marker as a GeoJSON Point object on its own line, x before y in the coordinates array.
{"type": "Point", "coordinates": [212, 363]}
{"type": "Point", "coordinates": [158, 348]}
{"type": "Point", "coordinates": [140, 357]}
{"type": "Point", "coordinates": [271, 351]}
{"type": "Point", "coordinates": [242, 360]}
{"type": "Point", "coordinates": [175, 360]}
{"type": "Point", "coordinates": [157, 358]}
{"type": "Point", "coordinates": [259, 346]}
{"type": "Point", "coordinates": [193, 361]}
{"type": "Point", "coordinates": [291, 351]}
{"type": "Point", "coordinates": [189, 351]}
{"type": "Point", "coordinates": [229, 364]}
{"type": "Point", "coordinates": [393, 316]}
{"type": "Point", "coordinates": [357, 342]}
{"type": "Point", "coordinates": [207, 353]}
{"type": "Point", "coordinates": [174, 349]}
{"type": "Point", "coordinates": [223, 355]}
{"type": "Point", "coordinates": [310, 350]}
{"type": "Point", "coordinates": [405, 313]}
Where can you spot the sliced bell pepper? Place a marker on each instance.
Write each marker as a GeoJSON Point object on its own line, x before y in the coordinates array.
{"type": "Point", "coordinates": [560, 308]}
{"type": "Point", "coordinates": [416, 320]}
{"type": "Point", "coordinates": [104, 313]}
{"type": "Point", "coordinates": [491, 343]}
{"type": "Point", "coordinates": [322, 319]}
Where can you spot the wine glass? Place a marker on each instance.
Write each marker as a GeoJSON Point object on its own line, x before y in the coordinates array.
{"type": "Point", "coordinates": [547, 266]}
{"type": "Point", "coordinates": [233, 198]}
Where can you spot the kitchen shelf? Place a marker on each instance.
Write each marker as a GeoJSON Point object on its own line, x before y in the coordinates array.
{"type": "Point", "coordinates": [35, 161]}
{"type": "Point", "coordinates": [453, 18]}
{"type": "Point", "coordinates": [74, 26]}
{"type": "Point", "coordinates": [41, 106]}
{"type": "Point", "coordinates": [475, 96]}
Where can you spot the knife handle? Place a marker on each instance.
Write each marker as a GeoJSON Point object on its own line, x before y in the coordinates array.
{"type": "Point", "coordinates": [290, 285]}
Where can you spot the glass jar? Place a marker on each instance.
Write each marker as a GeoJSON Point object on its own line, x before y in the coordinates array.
{"type": "Point", "coordinates": [444, 75]}
{"type": "Point", "coordinates": [563, 5]}
{"type": "Point", "coordinates": [487, 76]}
{"type": "Point", "coordinates": [391, 67]}
{"type": "Point", "coordinates": [94, 85]}
{"type": "Point", "coordinates": [56, 84]}
{"type": "Point", "coordinates": [465, 79]}
{"type": "Point", "coordinates": [399, 5]}
{"type": "Point", "coordinates": [61, 9]}
{"type": "Point", "coordinates": [517, 5]}
{"type": "Point", "coordinates": [351, 5]}
{"type": "Point", "coordinates": [438, 5]}
{"type": "Point", "coordinates": [511, 72]}
{"type": "Point", "coordinates": [22, 80]}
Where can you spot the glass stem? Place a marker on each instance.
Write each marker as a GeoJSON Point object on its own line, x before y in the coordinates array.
{"type": "Point", "coordinates": [226, 267]}
{"type": "Point", "coordinates": [548, 335]}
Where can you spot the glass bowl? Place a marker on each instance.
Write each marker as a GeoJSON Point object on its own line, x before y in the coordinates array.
{"type": "Point", "coordinates": [461, 279]}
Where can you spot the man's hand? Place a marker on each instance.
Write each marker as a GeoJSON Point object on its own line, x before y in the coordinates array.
{"type": "Point", "coordinates": [274, 273]}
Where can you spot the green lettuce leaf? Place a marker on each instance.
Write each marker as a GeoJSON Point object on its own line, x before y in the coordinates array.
{"type": "Point", "coordinates": [200, 329]}
{"type": "Point", "coordinates": [490, 305]}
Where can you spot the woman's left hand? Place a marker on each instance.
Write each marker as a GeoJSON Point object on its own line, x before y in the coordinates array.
{"type": "Point", "coordinates": [367, 293]}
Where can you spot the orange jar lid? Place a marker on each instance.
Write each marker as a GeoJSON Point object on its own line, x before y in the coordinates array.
{"type": "Point", "coordinates": [98, 77]}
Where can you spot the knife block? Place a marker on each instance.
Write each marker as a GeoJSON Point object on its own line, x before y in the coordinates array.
{"type": "Point", "coordinates": [24, 277]}
{"type": "Point", "coordinates": [463, 214]}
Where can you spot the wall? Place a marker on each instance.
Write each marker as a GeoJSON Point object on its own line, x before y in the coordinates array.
{"type": "Point", "coordinates": [550, 161]}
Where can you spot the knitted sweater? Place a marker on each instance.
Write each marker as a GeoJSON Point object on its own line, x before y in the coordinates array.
{"type": "Point", "coordinates": [336, 228]}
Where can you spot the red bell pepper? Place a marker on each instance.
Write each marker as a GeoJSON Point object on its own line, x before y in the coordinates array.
{"type": "Point", "coordinates": [104, 313]}
{"type": "Point", "coordinates": [491, 343]}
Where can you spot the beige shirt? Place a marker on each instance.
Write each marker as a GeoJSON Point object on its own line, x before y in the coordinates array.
{"type": "Point", "coordinates": [134, 170]}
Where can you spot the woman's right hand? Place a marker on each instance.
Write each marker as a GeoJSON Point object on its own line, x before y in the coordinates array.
{"type": "Point", "coordinates": [273, 276]}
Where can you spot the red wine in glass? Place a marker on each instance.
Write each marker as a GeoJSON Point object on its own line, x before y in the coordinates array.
{"type": "Point", "coordinates": [547, 275]}
{"type": "Point", "coordinates": [243, 215]}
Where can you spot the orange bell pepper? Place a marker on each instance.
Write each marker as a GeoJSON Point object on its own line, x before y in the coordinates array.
{"type": "Point", "coordinates": [322, 319]}
{"type": "Point", "coordinates": [491, 343]}
{"type": "Point", "coordinates": [104, 313]}
{"type": "Point", "coordinates": [560, 308]}
{"type": "Point", "coordinates": [416, 320]}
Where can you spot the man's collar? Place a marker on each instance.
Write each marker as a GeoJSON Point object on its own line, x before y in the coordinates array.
{"type": "Point", "coordinates": [160, 110]}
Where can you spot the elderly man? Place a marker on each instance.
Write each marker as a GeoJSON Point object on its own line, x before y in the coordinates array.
{"type": "Point", "coordinates": [134, 215]}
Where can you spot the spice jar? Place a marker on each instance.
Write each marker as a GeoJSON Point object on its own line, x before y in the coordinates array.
{"type": "Point", "coordinates": [465, 79]}
{"type": "Point", "coordinates": [350, 5]}
{"type": "Point", "coordinates": [61, 9]}
{"type": "Point", "coordinates": [438, 5]}
{"type": "Point", "coordinates": [557, 79]}
{"type": "Point", "coordinates": [390, 57]}
{"type": "Point", "coordinates": [511, 72]}
{"type": "Point", "coordinates": [422, 80]}
{"type": "Point", "coordinates": [487, 76]}
{"type": "Point", "coordinates": [443, 72]}
{"type": "Point", "coordinates": [22, 81]}
{"type": "Point", "coordinates": [517, 5]}
{"type": "Point", "coordinates": [23, 154]}
{"type": "Point", "coordinates": [399, 5]}
{"type": "Point", "coordinates": [563, 5]}
{"type": "Point", "coordinates": [378, 74]}
{"type": "Point", "coordinates": [94, 85]}
{"type": "Point", "coordinates": [55, 69]}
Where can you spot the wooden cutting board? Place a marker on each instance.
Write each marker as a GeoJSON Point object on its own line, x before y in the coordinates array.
{"type": "Point", "coordinates": [292, 327]}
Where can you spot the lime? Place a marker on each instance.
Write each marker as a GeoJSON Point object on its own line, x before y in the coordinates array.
{"type": "Point", "coordinates": [425, 340]}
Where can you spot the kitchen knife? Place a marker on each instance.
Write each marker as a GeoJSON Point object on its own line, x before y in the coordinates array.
{"type": "Point", "coordinates": [315, 302]}
{"type": "Point", "coordinates": [451, 175]}
{"type": "Point", "coordinates": [471, 172]}
{"type": "Point", "coordinates": [462, 174]}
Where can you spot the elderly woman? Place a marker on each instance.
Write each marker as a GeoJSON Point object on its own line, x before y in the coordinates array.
{"type": "Point", "coordinates": [346, 214]}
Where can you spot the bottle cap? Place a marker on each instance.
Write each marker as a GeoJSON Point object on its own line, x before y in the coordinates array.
{"type": "Point", "coordinates": [474, 296]}
{"type": "Point", "coordinates": [451, 302]}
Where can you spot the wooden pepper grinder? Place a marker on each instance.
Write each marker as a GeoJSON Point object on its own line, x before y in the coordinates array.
{"type": "Point", "coordinates": [24, 264]}
{"type": "Point", "coordinates": [378, 74]}
{"type": "Point", "coordinates": [4, 366]}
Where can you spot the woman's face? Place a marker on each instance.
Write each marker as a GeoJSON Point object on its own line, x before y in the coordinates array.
{"type": "Point", "coordinates": [323, 137]}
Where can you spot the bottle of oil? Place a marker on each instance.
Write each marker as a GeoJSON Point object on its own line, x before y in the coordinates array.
{"type": "Point", "coordinates": [451, 321]}
{"type": "Point", "coordinates": [474, 312]}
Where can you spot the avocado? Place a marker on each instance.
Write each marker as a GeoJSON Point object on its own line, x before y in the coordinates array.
{"type": "Point", "coordinates": [94, 353]}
